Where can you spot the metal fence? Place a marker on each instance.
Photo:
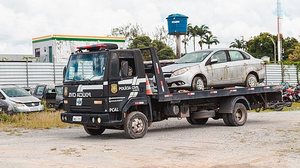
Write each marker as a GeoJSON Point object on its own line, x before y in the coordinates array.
{"type": "Point", "coordinates": [32, 73]}
{"type": "Point", "coordinates": [275, 74]}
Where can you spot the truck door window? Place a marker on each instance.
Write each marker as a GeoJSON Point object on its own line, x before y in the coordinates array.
{"type": "Point", "coordinates": [127, 67]}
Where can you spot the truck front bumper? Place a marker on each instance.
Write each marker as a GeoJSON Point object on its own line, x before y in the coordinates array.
{"type": "Point", "coordinates": [89, 119]}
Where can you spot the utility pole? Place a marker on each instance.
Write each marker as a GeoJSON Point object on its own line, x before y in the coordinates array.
{"type": "Point", "coordinates": [279, 42]}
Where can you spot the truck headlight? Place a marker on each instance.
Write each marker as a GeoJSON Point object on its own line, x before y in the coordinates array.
{"type": "Point", "coordinates": [65, 91]}
{"type": "Point", "coordinates": [180, 71]}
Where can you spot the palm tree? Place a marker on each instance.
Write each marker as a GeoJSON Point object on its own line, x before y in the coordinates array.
{"type": "Point", "coordinates": [185, 42]}
{"type": "Point", "coordinates": [241, 44]}
{"type": "Point", "coordinates": [192, 32]}
{"type": "Point", "coordinates": [201, 32]}
{"type": "Point", "coordinates": [209, 39]}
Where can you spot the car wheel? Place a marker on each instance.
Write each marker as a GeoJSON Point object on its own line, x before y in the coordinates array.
{"type": "Point", "coordinates": [198, 83]}
{"type": "Point", "coordinates": [251, 81]}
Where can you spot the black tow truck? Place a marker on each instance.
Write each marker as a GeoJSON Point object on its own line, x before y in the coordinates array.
{"type": "Point", "coordinates": [108, 88]}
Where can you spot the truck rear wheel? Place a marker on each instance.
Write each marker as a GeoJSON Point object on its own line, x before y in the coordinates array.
{"type": "Point", "coordinates": [201, 121]}
{"type": "Point", "coordinates": [238, 117]}
{"type": "Point", "coordinates": [136, 125]}
{"type": "Point", "coordinates": [94, 131]}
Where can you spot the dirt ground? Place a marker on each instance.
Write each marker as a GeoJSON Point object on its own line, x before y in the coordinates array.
{"type": "Point", "coordinates": [268, 140]}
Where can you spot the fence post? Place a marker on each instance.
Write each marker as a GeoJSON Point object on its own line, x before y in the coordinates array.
{"type": "Point", "coordinates": [282, 71]}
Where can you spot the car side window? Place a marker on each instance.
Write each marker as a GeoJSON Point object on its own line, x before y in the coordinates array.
{"type": "Point", "coordinates": [220, 56]}
{"type": "Point", "coordinates": [236, 55]}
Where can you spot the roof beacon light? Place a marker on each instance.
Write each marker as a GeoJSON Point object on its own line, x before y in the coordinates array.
{"type": "Point", "coordinates": [97, 47]}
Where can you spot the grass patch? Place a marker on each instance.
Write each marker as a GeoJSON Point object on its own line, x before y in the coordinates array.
{"type": "Point", "coordinates": [41, 120]}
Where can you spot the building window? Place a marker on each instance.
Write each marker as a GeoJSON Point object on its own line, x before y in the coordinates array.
{"type": "Point", "coordinates": [37, 52]}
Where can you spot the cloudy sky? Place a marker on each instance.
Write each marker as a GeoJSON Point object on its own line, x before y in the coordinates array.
{"type": "Point", "coordinates": [21, 20]}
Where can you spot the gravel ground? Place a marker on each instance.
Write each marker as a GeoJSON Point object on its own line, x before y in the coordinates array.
{"type": "Point", "coordinates": [267, 140]}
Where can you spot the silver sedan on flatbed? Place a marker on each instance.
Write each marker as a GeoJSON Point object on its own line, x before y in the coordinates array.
{"type": "Point", "coordinates": [215, 68]}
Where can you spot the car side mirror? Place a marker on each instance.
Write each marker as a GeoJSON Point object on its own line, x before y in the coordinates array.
{"type": "Point", "coordinates": [213, 61]}
{"type": "Point", "coordinates": [1, 96]}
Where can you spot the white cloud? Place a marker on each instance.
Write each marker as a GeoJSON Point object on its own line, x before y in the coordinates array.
{"type": "Point", "coordinates": [23, 20]}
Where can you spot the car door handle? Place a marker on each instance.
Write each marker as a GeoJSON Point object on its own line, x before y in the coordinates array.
{"type": "Point", "coordinates": [245, 64]}
{"type": "Point", "coordinates": [226, 67]}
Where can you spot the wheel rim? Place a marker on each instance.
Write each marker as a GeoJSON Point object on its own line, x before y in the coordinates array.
{"type": "Point", "coordinates": [239, 115]}
{"type": "Point", "coordinates": [137, 125]}
{"type": "Point", "coordinates": [199, 84]}
{"type": "Point", "coordinates": [252, 81]}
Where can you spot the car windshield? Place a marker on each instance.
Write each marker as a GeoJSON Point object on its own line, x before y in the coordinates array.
{"type": "Point", "coordinates": [15, 92]}
{"type": "Point", "coordinates": [59, 90]}
{"type": "Point", "coordinates": [193, 57]}
{"type": "Point", "coordinates": [86, 67]}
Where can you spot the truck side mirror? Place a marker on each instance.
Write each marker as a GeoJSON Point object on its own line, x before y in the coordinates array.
{"type": "Point", "coordinates": [64, 72]}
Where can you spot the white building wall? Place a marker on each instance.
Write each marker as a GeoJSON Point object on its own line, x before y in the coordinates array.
{"type": "Point", "coordinates": [44, 50]}
{"type": "Point", "coordinates": [62, 49]}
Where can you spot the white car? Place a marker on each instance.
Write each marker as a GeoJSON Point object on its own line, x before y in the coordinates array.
{"type": "Point", "coordinates": [19, 100]}
{"type": "Point", "coordinates": [215, 68]}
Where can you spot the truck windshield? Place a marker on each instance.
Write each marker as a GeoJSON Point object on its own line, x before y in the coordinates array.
{"type": "Point", "coordinates": [86, 67]}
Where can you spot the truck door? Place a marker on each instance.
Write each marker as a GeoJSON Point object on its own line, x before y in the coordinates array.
{"type": "Point", "coordinates": [122, 79]}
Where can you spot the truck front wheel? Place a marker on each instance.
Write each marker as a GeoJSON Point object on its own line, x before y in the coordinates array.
{"type": "Point", "coordinates": [94, 131]}
{"type": "Point", "coordinates": [238, 117]}
{"type": "Point", "coordinates": [136, 125]}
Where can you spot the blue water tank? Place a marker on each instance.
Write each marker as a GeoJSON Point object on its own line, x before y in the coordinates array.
{"type": "Point", "coordinates": [177, 24]}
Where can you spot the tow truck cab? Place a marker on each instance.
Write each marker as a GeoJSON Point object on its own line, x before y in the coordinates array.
{"type": "Point", "coordinates": [101, 83]}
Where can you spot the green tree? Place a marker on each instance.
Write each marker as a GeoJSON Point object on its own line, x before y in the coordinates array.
{"type": "Point", "coordinates": [166, 53]}
{"type": "Point", "coordinates": [209, 39]}
{"type": "Point", "coordinates": [141, 42]}
{"type": "Point", "coordinates": [202, 31]}
{"type": "Point", "coordinates": [261, 45]}
{"type": "Point", "coordinates": [163, 50]}
{"type": "Point", "coordinates": [241, 44]}
{"type": "Point", "coordinates": [295, 55]}
{"type": "Point", "coordinates": [289, 45]}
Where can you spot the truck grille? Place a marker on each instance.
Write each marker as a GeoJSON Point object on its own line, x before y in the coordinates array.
{"type": "Point", "coordinates": [33, 104]}
{"type": "Point", "coordinates": [77, 109]}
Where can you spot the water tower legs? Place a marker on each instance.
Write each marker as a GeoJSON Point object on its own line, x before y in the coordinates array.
{"type": "Point", "coordinates": [178, 46]}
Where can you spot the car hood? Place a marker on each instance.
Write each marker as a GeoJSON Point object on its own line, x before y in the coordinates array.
{"type": "Point", "coordinates": [25, 99]}
{"type": "Point", "coordinates": [175, 67]}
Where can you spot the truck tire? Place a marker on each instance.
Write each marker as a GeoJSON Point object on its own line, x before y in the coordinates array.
{"type": "Point", "coordinates": [226, 120]}
{"type": "Point", "coordinates": [238, 117]}
{"type": "Point", "coordinates": [201, 121]}
{"type": "Point", "coordinates": [198, 83]}
{"type": "Point", "coordinates": [136, 125]}
{"type": "Point", "coordinates": [94, 131]}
